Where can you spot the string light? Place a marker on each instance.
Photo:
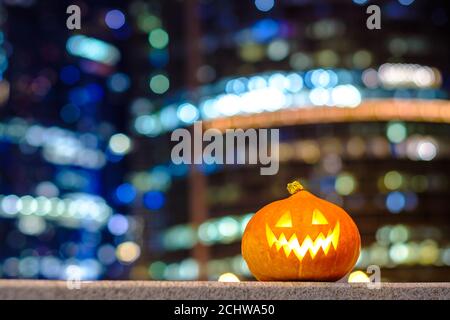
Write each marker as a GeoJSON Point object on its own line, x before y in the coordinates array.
{"type": "Point", "coordinates": [73, 208]}
{"type": "Point", "coordinates": [435, 111]}
{"type": "Point", "coordinates": [289, 96]}
{"type": "Point", "coordinates": [227, 229]}
{"type": "Point", "coordinates": [59, 146]}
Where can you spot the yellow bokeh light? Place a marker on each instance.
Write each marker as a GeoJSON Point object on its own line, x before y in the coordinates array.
{"type": "Point", "coordinates": [251, 52]}
{"type": "Point", "coordinates": [345, 184]}
{"type": "Point", "coordinates": [428, 252]}
{"type": "Point", "coordinates": [308, 151]}
{"type": "Point", "coordinates": [393, 180]}
{"type": "Point", "coordinates": [128, 252]}
{"type": "Point", "coordinates": [358, 277]}
{"type": "Point", "coordinates": [229, 277]}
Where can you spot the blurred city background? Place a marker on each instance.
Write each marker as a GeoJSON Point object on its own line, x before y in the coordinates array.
{"type": "Point", "coordinates": [87, 186]}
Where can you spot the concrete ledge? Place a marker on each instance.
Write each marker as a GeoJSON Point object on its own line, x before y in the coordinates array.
{"type": "Point", "coordinates": [181, 290]}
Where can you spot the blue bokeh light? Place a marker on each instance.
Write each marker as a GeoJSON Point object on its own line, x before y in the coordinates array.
{"type": "Point", "coordinates": [406, 2]}
{"type": "Point", "coordinates": [119, 82]}
{"type": "Point", "coordinates": [264, 5]}
{"type": "Point", "coordinates": [115, 19]}
{"type": "Point", "coordinates": [265, 29]}
{"type": "Point", "coordinates": [118, 225]}
{"type": "Point", "coordinates": [154, 200]}
{"type": "Point", "coordinates": [395, 202]}
{"type": "Point", "coordinates": [125, 193]}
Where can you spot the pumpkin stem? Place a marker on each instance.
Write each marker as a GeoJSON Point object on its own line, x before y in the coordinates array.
{"type": "Point", "coordinates": [294, 187]}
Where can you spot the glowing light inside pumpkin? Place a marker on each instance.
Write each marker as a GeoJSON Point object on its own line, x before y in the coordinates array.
{"type": "Point", "coordinates": [308, 244]}
{"type": "Point", "coordinates": [318, 217]}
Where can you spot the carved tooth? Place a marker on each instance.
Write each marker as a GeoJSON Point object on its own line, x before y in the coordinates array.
{"type": "Point", "coordinates": [317, 244]}
{"type": "Point", "coordinates": [293, 242]}
{"type": "Point", "coordinates": [291, 245]}
{"type": "Point", "coordinates": [297, 252]}
{"type": "Point", "coordinates": [287, 250]}
{"type": "Point", "coordinates": [307, 243]}
{"type": "Point", "coordinates": [281, 241]}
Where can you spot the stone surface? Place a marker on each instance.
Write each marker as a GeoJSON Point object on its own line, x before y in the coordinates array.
{"type": "Point", "coordinates": [165, 290]}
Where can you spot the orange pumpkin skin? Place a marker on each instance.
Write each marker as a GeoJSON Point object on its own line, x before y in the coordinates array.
{"type": "Point", "coordinates": [276, 250]}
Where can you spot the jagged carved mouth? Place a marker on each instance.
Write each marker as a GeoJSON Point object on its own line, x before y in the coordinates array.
{"type": "Point", "coordinates": [307, 245]}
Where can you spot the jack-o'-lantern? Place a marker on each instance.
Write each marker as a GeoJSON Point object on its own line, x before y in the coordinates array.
{"type": "Point", "coordinates": [301, 237]}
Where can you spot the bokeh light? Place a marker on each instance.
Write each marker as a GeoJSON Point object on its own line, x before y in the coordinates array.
{"type": "Point", "coordinates": [120, 144]}
{"type": "Point", "coordinates": [154, 200]}
{"type": "Point", "coordinates": [264, 5]}
{"type": "Point", "coordinates": [158, 38]}
{"type": "Point", "coordinates": [345, 184]}
{"type": "Point", "coordinates": [396, 132]}
{"type": "Point", "coordinates": [358, 277]}
{"type": "Point", "coordinates": [159, 84]}
{"type": "Point", "coordinates": [126, 193]}
{"type": "Point", "coordinates": [128, 252]}
{"type": "Point", "coordinates": [228, 277]}
{"type": "Point", "coordinates": [115, 19]}
{"type": "Point", "coordinates": [395, 201]}
{"type": "Point", "coordinates": [118, 224]}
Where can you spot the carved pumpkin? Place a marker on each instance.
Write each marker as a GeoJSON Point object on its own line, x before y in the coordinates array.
{"type": "Point", "coordinates": [302, 237]}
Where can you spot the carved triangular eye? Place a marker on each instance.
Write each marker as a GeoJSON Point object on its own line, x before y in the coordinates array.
{"type": "Point", "coordinates": [285, 221]}
{"type": "Point", "coordinates": [318, 217]}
